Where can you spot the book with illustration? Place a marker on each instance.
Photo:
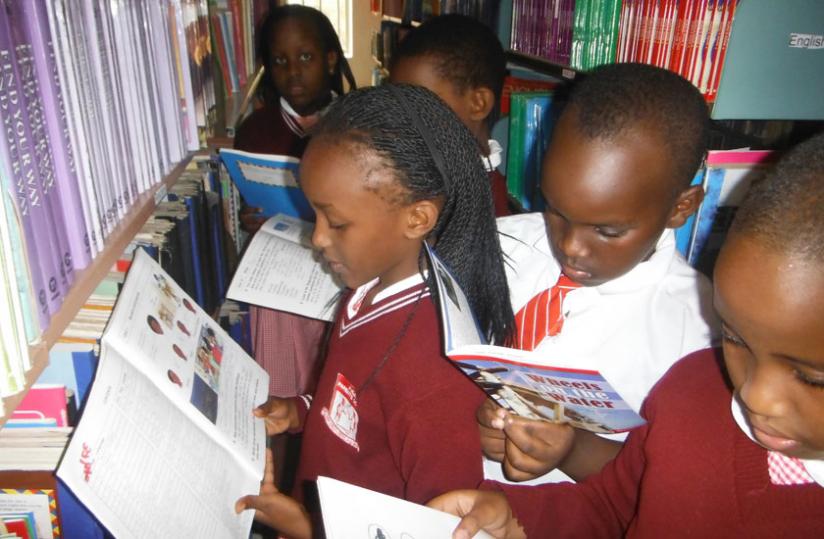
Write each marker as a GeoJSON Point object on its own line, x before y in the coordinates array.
{"type": "Point", "coordinates": [268, 181]}
{"type": "Point", "coordinates": [281, 271]}
{"type": "Point", "coordinates": [521, 381]}
{"type": "Point", "coordinates": [173, 395]}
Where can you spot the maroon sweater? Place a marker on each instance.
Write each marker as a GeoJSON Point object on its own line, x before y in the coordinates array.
{"type": "Point", "coordinates": [689, 472]}
{"type": "Point", "coordinates": [415, 434]}
{"type": "Point", "coordinates": [265, 131]}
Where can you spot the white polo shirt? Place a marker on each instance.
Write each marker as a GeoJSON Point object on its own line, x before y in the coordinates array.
{"type": "Point", "coordinates": [631, 329]}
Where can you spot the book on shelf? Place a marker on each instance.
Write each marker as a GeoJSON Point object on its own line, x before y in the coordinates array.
{"type": "Point", "coordinates": [45, 405]}
{"type": "Point", "coordinates": [727, 177]}
{"type": "Point", "coordinates": [352, 511]}
{"type": "Point", "coordinates": [531, 120]}
{"type": "Point", "coordinates": [173, 394]}
{"type": "Point", "coordinates": [522, 381]}
{"type": "Point", "coordinates": [268, 181]}
{"type": "Point", "coordinates": [280, 270]}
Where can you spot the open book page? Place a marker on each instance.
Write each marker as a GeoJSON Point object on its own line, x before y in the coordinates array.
{"type": "Point", "coordinates": [267, 181]}
{"type": "Point", "coordinates": [168, 427]}
{"type": "Point", "coordinates": [517, 381]}
{"type": "Point", "coordinates": [351, 512]}
{"type": "Point", "coordinates": [281, 271]}
{"type": "Point", "coordinates": [145, 469]}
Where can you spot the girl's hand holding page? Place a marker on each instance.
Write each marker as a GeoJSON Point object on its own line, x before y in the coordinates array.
{"type": "Point", "coordinates": [280, 415]}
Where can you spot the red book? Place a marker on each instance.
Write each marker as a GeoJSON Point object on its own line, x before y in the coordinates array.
{"type": "Point", "coordinates": [682, 22]}
{"type": "Point", "coordinates": [721, 54]}
{"type": "Point", "coordinates": [44, 405]}
{"type": "Point", "coordinates": [217, 33]}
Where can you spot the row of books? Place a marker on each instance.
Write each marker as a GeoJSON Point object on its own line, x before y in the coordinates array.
{"type": "Point", "coordinates": [688, 37]}
{"type": "Point", "coordinates": [98, 104]}
{"type": "Point", "coordinates": [233, 24]}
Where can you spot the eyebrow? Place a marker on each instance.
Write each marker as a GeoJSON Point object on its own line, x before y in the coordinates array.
{"type": "Point", "coordinates": [812, 364]}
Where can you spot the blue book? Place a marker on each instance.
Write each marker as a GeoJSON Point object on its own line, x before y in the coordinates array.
{"type": "Point", "coordinates": [270, 182]}
{"type": "Point", "coordinates": [683, 234]}
{"type": "Point", "coordinates": [75, 519]}
{"type": "Point", "coordinates": [71, 365]}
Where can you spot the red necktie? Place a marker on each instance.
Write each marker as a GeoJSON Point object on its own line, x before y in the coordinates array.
{"type": "Point", "coordinates": [543, 315]}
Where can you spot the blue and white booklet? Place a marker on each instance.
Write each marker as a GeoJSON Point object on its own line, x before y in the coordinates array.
{"type": "Point", "coordinates": [268, 181]}
{"type": "Point", "coordinates": [521, 381]}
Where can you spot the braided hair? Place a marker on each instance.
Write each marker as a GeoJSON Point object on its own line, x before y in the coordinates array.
{"type": "Point", "coordinates": [325, 32]}
{"type": "Point", "coordinates": [434, 156]}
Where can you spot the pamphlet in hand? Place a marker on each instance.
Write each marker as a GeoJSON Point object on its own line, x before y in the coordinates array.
{"type": "Point", "coordinates": [519, 380]}
{"type": "Point", "coordinates": [167, 441]}
{"type": "Point", "coordinates": [268, 181]}
{"type": "Point", "coordinates": [350, 511]}
{"type": "Point", "coordinates": [281, 271]}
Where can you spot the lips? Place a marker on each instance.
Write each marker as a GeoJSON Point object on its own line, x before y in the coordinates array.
{"type": "Point", "coordinates": [576, 274]}
{"type": "Point", "coordinates": [772, 440]}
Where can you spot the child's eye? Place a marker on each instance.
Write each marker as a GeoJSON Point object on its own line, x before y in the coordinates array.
{"type": "Point", "coordinates": [729, 337]}
{"type": "Point", "coordinates": [816, 382]}
{"type": "Point", "coordinates": [306, 56]}
{"type": "Point", "coordinates": [279, 60]}
{"type": "Point", "coordinates": [337, 226]}
{"type": "Point", "coordinates": [609, 232]}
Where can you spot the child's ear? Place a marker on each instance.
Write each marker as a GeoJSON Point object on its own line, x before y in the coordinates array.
{"type": "Point", "coordinates": [331, 61]}
{"type": "Point", "coordinates": [687, 203]}
{"type": "Point", "coordinates": [481, 102]}
{"type": "Point", "coordinates": [421, 217]}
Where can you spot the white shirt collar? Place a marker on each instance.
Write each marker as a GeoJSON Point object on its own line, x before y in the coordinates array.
{"type": "Point", "coordinates": [493, 160]}
{"type": "Point", "coordinates": [814, 467]}
{"type": "Point", "coordinates": [355, 302]}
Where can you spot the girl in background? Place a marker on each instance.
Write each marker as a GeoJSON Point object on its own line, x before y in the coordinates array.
{"type": "Point", "coordinates": [390, 168]}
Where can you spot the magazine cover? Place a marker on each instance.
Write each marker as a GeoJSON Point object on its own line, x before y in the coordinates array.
{"type": "Point", "coordinates": [521, 381]}
{"type": "Point", "coordinates": [268, 181]}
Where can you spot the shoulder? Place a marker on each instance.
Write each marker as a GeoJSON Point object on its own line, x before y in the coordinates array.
{"type": "Point", "coordinates": [684, 296]}
{"type": "Point", "coordinates": [523, 234]}
{"type": "Point", "coordinates": [693, 379]}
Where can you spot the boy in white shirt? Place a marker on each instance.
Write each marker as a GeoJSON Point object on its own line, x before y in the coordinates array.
{"type": "Point", "coordinates": [596, 280]}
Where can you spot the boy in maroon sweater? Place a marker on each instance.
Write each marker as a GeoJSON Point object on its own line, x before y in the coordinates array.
{"type": "Point", "coordinates": [693, 469]}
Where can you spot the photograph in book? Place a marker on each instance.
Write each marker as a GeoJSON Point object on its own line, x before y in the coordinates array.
{"type": "Point", "coordinates": [268, 181]}
{"type": "Point", "coordinates": [281, 271]}
{"type": "Point", "coordinates": [173, 396]}
{"type": "Point", "coordinates": [514, 378]}
{"type": "Point", "coordinates": [352, 512]}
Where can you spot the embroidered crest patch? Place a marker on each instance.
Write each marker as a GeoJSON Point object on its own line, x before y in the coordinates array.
{"type": "Point", "coordinates": [341, 415]}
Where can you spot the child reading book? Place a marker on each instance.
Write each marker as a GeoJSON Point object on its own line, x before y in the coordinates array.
{"type": "Point", "coordinates": [460, 59]}
{"type": "Point", "coordinates": [596, 281]}
{"type": "Point", "coordinates": [390, 168]}
{"type": "Point", "coordinates": [304, 70]}
{"type": "Point", "coordinates": [734, 446]}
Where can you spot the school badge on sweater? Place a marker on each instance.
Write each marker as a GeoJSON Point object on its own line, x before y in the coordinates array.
{"type": "Point", "coordinates": [341, 415]}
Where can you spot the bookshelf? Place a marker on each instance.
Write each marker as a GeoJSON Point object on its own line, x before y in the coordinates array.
{"type": "Point", "coordinates": [88, 279]}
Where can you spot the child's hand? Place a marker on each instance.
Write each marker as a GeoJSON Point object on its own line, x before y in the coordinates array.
{"type": "Point", "coordinates": [274, 509]}
{"type": "Point", "coordinates": [491, 426]}
{"type": "Point", "coordinates": [280, 415]}
{"type": "Point", "coordinates": [479, 510]}
{"type": "Point", "coordinates": [533, 447]}
{"type": "Point", "coordinates": [251, 219]}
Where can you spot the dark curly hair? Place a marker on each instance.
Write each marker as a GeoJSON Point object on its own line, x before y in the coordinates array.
{"type": "Point", "coordinates": [434, 156]}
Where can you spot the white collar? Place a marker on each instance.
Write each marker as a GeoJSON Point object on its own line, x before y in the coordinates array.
{"type": "Point", "coordinates": [814, 467]}
{"type": "Point", "coordinates": [493, 160]}
{"type": "Point", "coordinates": [355, 302]}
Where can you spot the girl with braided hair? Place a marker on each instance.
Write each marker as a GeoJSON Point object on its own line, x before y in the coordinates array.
{"type": "Point", "coordinates": [387, 169]}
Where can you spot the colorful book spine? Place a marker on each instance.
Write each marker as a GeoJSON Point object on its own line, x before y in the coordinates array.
{"type": "Point", "coordinates": [17, 146]}
{"type": "Point", "coordinates": [36, 27]}
{"type": "Point", "coordinates": [33, 100]}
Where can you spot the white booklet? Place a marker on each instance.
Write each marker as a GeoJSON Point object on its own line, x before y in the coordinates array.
{"type": "Point", "coordinates": [521, 381]}
{"type": "Point", "coordinates": [351, 512]}
{"type": "Point", "coordinates": [281, 271]}
{"type": "Point", "coordinates": [167, 441]}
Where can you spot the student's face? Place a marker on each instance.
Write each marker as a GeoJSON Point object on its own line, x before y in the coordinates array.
{"type": "Point", "coordinates": [607, 202]}
{"type": "Point", "coordinates": [361, 228]}
{"type": "Point", "coordinates": [422, 71]}
{"type": "Point", "coordinates": [300, 68]}
{"type": "Point", "coordinates": [772, 310]}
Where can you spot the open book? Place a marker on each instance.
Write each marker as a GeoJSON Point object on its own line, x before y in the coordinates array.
{"type": "Point", "coordinates": [280, 270]}
{"type": "Point", "coordinates": [519, 380]}
{"type": "Point", "coordinates": [268, 181]}
{"type": "Point", "coordinates": [167, 442]}
{"type": "Point", "coordinates": [350, 511]}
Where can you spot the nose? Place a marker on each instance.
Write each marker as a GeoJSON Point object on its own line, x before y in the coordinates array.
{"type": "Point", "coordinates": [572, 244]}
{"type": "Point", "coordinates": [320, 235]}
{"type": "Point", "coordinates": [763, 389]}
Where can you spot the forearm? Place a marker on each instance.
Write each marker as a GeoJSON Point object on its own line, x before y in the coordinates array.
{"type": "Point", "coordinates": [589, 454]}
